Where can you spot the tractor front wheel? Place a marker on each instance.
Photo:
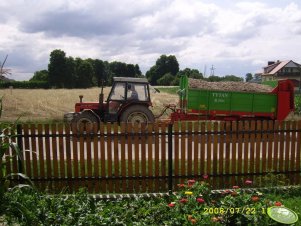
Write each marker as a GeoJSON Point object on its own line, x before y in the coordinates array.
{"type": "Point", "coordinates": [84, 121]}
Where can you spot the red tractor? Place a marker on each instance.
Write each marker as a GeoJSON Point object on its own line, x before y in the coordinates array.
{"type": "Point", "coordinates": [128, 101]}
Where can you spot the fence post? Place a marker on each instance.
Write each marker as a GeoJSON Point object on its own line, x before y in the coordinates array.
{"type": "Point", "coordinates": [20, 146]}
{"type": "Point", "coordinates": [170, 168]}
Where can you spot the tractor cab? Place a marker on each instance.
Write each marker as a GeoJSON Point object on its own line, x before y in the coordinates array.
{"type": "Point", "coordinates": [126, 92]}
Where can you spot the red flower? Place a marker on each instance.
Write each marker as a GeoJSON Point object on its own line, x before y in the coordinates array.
{"type": "Point", "coordinates": [172, 204]}
{"type": "Point", "coordinates": [278, 204]}
{"type": "Point", "coordinates": [181, 185]}
{"type": "Point", "coordinates": [190, 183]}
{"type": "Point", "coordinates": [248, 182]}
{"type": "Point", "coordinates": [254, 198]}
{"type": "Point", "coordinates": [183, 201]}
{"type": "Point", "coordinates": [200, 200]}
{"type": "Point", "coordinates": [205, 176]}
{"type": "Point", "coordinates": [235, 187]}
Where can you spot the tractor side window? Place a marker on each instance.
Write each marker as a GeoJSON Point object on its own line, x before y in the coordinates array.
{"type": "Point", "coordinates": [118, 92]}
{"type": "Point", "coordinates": [137, 92]}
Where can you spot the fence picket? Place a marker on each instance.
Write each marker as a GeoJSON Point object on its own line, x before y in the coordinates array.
{"type": "Point", "coordinates": [258, 138]}
{"type": "Point", "coordinates": [130, 156]}
{"type": "Point", "coordinates": [109, 156]}
{"type": "Point", "coordinates": [275, 147]}
{"type": "Point", "coordinates": [176, 152]}
{"type": "Point", "coordinates": [203, 146]}
{"type": "Point", "coordinates": [252, 147]}
{"type": "Point", "coordinates": [209, 149]}
{"type": "Point", "coordinates": [298, 152]}
{"type": "Point", "coordinates": [103, 159]}
{"type": "Point", "coordinates": [240, 150]}
{"type": "Point", "coordinates": [150, 156]}
{"type": "Point", "coordinates": [34, 151]}
{"type": "Point", "coordinates": [61, 150]}
{"type": "Point", "coordinates": [47, 151]}
{"type": "Point", "coordinates": [163, 155]}
{"type": "Point", "coordinates": [68, 150]}
{"type": "Point", "coordinates": [281, 152]}
{"type": "Point", "coordinates": [136, 156]}
{"type": "Point", "coordinates": [233, 153]}
{"type": "Point", "coordinates": [196, 148]}
{"type": "Point", "coordinates": [287, 146]}
{"type": "Point", "coordinates": [82, 152]}
{"type": "Point", "coordinates": [123, 158]}
{"type": "Point", "coordinates": [88, 152]}
{"type": "Point", "coordinates": [157, 163]}
{"type": "Point", "coordinates": [189, 149]}
{"type": "Point", "coordinates": [270, 145]}
{"type": "Point", "coordinates": [26, 151]}
{"type": "Point", "coordinates": [54, 152]}
{"type": "Point", "coordinates": [143, 157]}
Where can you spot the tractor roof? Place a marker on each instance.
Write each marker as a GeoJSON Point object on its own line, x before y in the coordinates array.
{"type": "Point", "coordinates": [130, 79]}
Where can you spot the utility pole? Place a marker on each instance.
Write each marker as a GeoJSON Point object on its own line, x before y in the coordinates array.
{"type": "Point", "coordinates": [212, 70]}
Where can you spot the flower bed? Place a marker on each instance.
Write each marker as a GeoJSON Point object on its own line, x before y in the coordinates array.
{"type": "Point", "coordinates": [192, 204]}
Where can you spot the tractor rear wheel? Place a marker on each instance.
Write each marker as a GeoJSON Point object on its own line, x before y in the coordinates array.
{"type": "Point", "coordinates": [84, 121]}
{"type": "Point", "coordinates": [137, 114]}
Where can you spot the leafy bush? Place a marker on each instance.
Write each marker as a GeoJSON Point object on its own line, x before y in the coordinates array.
{"type": "Point", "coordinates": [194, 203]}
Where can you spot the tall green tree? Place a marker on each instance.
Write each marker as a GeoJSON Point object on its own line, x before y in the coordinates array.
{"type": "Point", "coordinates": [99, 71]}
{"type": "Point", "coordinates": [84, 72]}
{"type": "Point", "coordinates": [164, 65]}
{"type": "Point", "coordinates": [191, 73]}
{"type": "Point", "coordinates": [57, 68]}
{"type": "Point", "coordinates": [248, 77]}
{"type": "Point", "coordinates": [40, 76]}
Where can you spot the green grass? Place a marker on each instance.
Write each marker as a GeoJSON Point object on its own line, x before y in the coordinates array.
{"type": "Point", "coordinates": [170, 90]}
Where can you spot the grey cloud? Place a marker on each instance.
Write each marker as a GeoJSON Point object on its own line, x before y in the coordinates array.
{"type": "Point", "coordinates": [73, 23]}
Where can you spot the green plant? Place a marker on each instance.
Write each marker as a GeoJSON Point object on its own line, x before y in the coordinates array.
{"type": "Point", "coordinates": [6, 143]}
{"type": "Point", "coordinates": [298, 104]}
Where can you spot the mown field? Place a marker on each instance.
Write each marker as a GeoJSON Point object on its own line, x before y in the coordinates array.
{"type": "Point", "coordinates": [42, 105]}
{"type": "Point", "coordinates": [50, 105]}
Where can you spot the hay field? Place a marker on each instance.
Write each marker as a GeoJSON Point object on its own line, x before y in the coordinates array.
{"type": "Point", "coordinates": [38, 105]}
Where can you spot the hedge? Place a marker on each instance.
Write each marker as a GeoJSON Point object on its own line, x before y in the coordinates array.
{"type": "Point", "coordinates": [25, 85]}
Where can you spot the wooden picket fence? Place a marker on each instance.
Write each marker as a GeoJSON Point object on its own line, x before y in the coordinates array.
{"type": "Point", "coordinates": [124, 158]}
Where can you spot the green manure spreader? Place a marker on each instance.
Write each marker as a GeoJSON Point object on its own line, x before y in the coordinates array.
{"type": "Point", "coordinates": [212, 104]}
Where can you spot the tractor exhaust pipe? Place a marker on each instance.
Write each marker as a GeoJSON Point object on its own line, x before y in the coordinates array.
{"type": "Point", "coordinates": [81, 98]}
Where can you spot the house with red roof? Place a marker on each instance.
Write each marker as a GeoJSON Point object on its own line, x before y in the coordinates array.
{"type": "Point", "coordinates": [282, 70]}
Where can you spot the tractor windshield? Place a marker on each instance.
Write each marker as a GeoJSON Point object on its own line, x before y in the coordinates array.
{"type": "Point", "coordinates": [118, 92]}
{"type": "Point", "coordinates": [137, 91]}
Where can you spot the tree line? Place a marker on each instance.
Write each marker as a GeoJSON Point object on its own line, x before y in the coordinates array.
{"type": "Point", "coordinates": [69, 72]}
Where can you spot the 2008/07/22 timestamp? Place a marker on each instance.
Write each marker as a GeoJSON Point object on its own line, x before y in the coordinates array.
{"type": "Point", "coordinates": [240, 210]}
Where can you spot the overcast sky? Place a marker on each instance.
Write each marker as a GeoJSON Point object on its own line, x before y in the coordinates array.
{"type": "Point", "coordinates": [236, 37]}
